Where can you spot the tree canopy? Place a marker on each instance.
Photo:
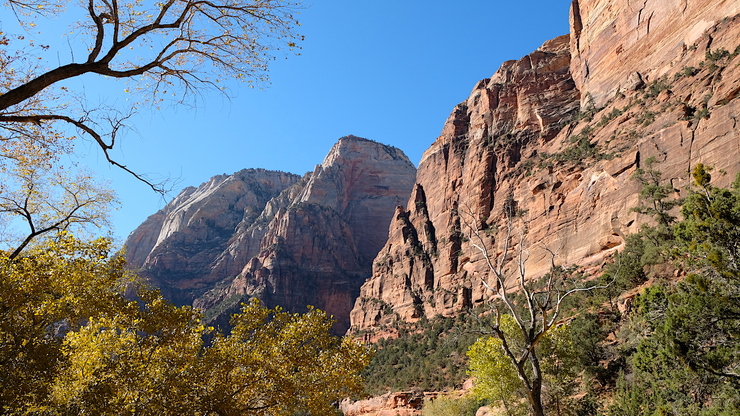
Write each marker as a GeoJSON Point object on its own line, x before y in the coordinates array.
{"type": "Point", "coordinates": [680, 351]}
{"type": "Point", "coordinates": [80, 335]}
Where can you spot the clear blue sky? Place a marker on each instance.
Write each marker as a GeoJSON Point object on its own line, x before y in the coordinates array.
{"type": "Point", "coordinates": [387, 70]}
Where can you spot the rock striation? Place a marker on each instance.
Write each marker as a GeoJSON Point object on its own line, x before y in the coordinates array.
{"type": "Point", "coordinates": [389, 404]}
{"type": "Point", "coordinates": [538, 160]}
{"type": "Point", "coordinates": [612, 40]}
{"type": "Point", "coordinates": [287, 240]}
{"type": "Point", "coordinates": [176, 247]}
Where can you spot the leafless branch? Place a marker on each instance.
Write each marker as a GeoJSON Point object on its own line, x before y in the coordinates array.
{"type": "Point", "coordinates": [199, 41]}
{"type": "Point", "coordinates": [543, 306]}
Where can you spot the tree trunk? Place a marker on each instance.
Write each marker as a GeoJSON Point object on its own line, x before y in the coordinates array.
{"type": "Point", "coordinates": [535, 398]}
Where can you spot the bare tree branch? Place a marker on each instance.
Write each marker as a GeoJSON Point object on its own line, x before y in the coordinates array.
{"type": "Point", "coordinates": [193, 43]}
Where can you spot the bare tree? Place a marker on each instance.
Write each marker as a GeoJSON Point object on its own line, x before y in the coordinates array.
{"type": "Point", "coordinates": [539, 301]}
{"type": "Point", "coordinates": [172, 48]}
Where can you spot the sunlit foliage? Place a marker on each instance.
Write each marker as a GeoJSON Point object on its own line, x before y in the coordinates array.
{"type": "Point", "coordinates": [72, 343]}
{"type": "Point", "coordinates": [497, 379]}
{"type": "Point", "coordinates": [445, 406]}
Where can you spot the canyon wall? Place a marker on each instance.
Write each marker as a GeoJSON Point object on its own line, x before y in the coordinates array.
{"type": "Point", "coordinates": [528, 166]}
{"type": "Point", "coordinates": [534, 168]}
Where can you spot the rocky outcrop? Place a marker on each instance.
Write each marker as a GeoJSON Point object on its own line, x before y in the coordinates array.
{"type": "Point", "coordinates": [526, 156]}
{"type": "Point", "coordinates": [389, 404]}
{"type": "Point", "coordinates": [611, 40]}
{"type": "Point", "coordinates": [289, 241]}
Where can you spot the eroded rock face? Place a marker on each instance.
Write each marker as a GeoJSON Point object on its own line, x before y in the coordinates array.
{"type": "Point", "coordinates": [176, 247]}
{"type": "Point", "coordinates": [520, 146]}
{"type": "Point", "coordinates": [425, 267]}
{"type": "Point", "coordinates": [389, 404]}
{"type": "Point", "coordinates": [613, 39]}
{"type": "Point", "coordinates": [290, 241]}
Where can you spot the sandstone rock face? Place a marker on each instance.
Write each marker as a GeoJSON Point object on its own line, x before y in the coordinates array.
{"type": "Point", "coordinates": [610, 39]}
{"type": "Point", "coordinates": [519, 145]}
{"type": "Point", "coordinates": [425, 267]}
{"type": "Point", "coordinates": [290, 241]}
{"type": "Point", "coordinates": [319, 247]}
{"type": "Point", "coordinates": [176, 247]}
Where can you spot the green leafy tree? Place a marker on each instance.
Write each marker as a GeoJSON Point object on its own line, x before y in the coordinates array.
{"type": "Point", "coordinates": [703, 323]}
{"type": "Point", "coordinates": [655, 194]}
{"type": "Point", "coordinates": [685, 360]}
{"type": "Point", "coordinates": [497, 378]}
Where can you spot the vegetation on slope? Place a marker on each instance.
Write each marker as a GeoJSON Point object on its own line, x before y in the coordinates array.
{"type": "Point", "coordinates": [673, 348]}
{"type": "Point", "coordinates": [428, 356]}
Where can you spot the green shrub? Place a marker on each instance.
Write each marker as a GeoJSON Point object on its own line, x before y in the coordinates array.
{"type": "Point", "coordinates": [657, 87]}
{"type": "Point", "coordinates": [687, 71]}
{"type": "Point", "coordinates": [716, 55]}
{"type": "Point", "coordinates": [449, 406]}
{"type": "Point", "coordinates": [646, 118]}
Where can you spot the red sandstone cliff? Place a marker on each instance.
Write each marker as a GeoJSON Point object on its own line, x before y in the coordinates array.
{"type": "Point", "coordinates": [612, 39]}
{"type": "Point", "coordinates": [520, 142]}
{"type": "Point", "coordinates": [319, 247]}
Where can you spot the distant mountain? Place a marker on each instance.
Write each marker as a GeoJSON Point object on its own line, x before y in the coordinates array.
{"type": "Point", "coordinates": [287, 240]}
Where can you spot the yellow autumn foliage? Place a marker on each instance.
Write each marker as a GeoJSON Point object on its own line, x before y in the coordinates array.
{"type": "Point", "coordinates": [72, 343]}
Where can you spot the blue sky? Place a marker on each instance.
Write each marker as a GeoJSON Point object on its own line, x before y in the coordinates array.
{"type": "Point", "coordinates": [390, 71]}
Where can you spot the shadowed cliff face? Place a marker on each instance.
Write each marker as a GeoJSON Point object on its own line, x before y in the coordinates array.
{"type": "Point", "coordinates": [523, 143]}
{"type": "Point", "coordinates": [296, 242]}
{"type": "Point", "coordinates": [176, 247]}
